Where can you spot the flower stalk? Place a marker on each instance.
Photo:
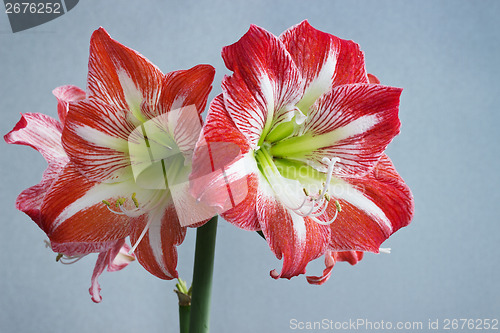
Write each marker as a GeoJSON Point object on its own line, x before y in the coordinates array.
{"type": "Point", "coordinates": [202, 277]}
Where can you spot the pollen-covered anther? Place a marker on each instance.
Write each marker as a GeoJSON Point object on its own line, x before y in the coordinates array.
{"type": "Point", "coordinates": [120, 204]}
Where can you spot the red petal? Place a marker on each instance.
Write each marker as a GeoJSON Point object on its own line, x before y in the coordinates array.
{"type": "Point", "coordinates": [75, 218]}
{"type": "Point", "coordinates": [383, 204]}
{"type": "Point", "coordinates": [265, 83]}
{"type": "Point", "coordinates": [119, 75]}
{"type": "Point", "coordinates": [359, 121]}
{"type": "Point", "coordinates": [96, 140]}
{"type": "Point", "coordinates": [65, 95]}
{"type": "Point", "coordinates": [296, 239]}
{"type": "Point", "coordinates": [157, 250]}
{"type": "Point", "coordinates": [323, 57]}
{"type": "Point", "coordinates": [184, 88]}
{"type": "Point", "coordinates": [373, 79]}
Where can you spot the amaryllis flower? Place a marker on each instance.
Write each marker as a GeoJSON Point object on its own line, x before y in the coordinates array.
{"type": "Point", "coordinates": [43, 133]}
{"type": "Point", "coordinates": [298, 137]}
{"type": "Point", "coordinates": [129, 144]}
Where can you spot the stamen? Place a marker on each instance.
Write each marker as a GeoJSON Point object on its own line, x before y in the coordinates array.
{"type": "Point", "coordinates": [338, 206]}
{"type": "Point", "coordinates": [134, 199]}
{"type": "Point", "coordinates": [319, 202]}
{"type": "Point", "coordinates": [68, 260]}
{"type": "Point", "coordinates": [143, 233]}
{"type": "Point", "coordinates": [123, 211]}
{"type": "Point", "coordinates": [326, 223]}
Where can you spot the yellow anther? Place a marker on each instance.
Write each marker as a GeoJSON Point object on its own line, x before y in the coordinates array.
{"type": "Point", "coordinates": [327, 197]}
{"type": "Point", "coordinates": [305, 191]}
{"type": "Point", "coordinates": [119, 202]}
{"type": "Point", "coordinates": [134, 199]}
{"type": "Point", "coordinates": [59, 256]}
{"type": "Point", "coordinates": [337, 205]}
{"type": "Point", "coordinates": [106, 203]}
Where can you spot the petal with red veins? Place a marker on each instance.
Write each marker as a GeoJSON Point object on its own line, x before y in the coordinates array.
{"type": "Point", "coordinates": [296, 239]}
{"type": "Point", "coordinates": [95, 138]}
{"type": "Point", "coordinates": [222, 161]}
{"type": "Point", "coordinates": [65, 95]}
{"type": "Point", "coordinates": [121, 76]}
{"type": "Point", "coordinates": [323, 61]}
{"type": "Point", "coordinates": [244, 214]}
{"type": "Point", "coordinates": [265, 86]}
{"type": "Point", "coordinates": [354, 123]}
{"type": "Point", "coordinates": [157, 251]}
{"type": "Point", "coordinates": [75, 218]}
{"type": "Point", "coordinates": [373, 207]}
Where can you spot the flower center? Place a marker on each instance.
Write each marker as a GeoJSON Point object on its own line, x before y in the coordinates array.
{"type": "Point", "coordinates": [300, 188]}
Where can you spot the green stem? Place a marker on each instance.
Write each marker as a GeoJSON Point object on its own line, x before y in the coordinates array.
{"type": "Point", "coordinates": [184, 311]}
{"type": "Point", "coordinates": [202, 277]}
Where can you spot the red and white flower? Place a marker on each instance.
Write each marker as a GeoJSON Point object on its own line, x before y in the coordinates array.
{"type": "Point", "coordinates": [127, 145]}
{"type": "Point", "coordinates": [301, 132]}
{"type": "Point", "coordinates": [43, 133]}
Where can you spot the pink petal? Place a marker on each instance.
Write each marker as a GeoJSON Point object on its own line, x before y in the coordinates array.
{"type": "Point", "coordinates": [75, 217]}
{"type": "Point", "coordinates": [65, 95]}
{"type": "Point", "coordinates": [327, 272]}
{"type": "Point", "coordinates": [108, 259]}
{"type": "Point", "coordinates": [296, 239]}
{"type": "Point", "coordinates": [323, 60]}
{"type": "Point", "coordinates": [354, 123]}
{"type": "Point", "coordinates": [95, 138]}
{"type": "Point", "coordinates": [40, 132]}
{"type": "Point", "coordinates": [119, 75]}
{"type": "Point", "coordinates": [157, 251]}
{"type": "Point", "coordinates": [331, 258]}
{"type": "Point", "coordinates": [44, 134]}
{"type": "Point", "coordinates": [373, 207]}
{"type": "Point", "coordinates": [265, 85]}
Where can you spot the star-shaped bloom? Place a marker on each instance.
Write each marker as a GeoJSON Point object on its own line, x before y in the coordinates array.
{"type": "Point", "coordinates": [127, 144]}
{"type": "Point", "coordinates": [297, 138]}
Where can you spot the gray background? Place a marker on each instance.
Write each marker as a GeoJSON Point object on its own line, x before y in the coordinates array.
{"type": "Point", "coordinates": [444, 265]}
